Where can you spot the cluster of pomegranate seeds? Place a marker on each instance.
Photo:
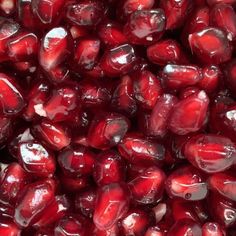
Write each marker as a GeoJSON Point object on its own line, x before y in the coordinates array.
{"type": "Point", "coordinates": [117, 118]}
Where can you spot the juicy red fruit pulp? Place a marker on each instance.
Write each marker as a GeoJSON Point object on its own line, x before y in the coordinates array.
{"type": "Point", "coordinates": [117, 118]}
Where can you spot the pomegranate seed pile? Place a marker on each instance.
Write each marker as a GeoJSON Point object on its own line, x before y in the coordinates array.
{"type": "Point", "coordinates": [117, 117]}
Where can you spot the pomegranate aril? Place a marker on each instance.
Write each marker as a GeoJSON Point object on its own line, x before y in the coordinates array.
{"type": "Point", "coordinates": [76, 161]}
{"type": "Point", "coordinates": [33, 199]}
{"type": "Point", "coordinates": [210, 45]}
{"type": "Point", "coordinates": [166, 51]}
{"type": "Point", "coordinates": [86, 13]}
{"type": "Point", "coordinates": [53, 212]}
{"type": "Point", "coordinates": [221, 210]}
{"type": "Point", "coordinates": [36, 159]}
{"type": "Point", "coordinates": [85, 202]}
{"type": "Point", "coordinates": [223, 183]}
{"type": "Point", "coordinates": [11, 98]}
{"type": "Point", "coordinates": [176, 12]}
{"type": "Point", "coordinates": [210, 153]}
{"type": "Point", "coordinates": [224, 17]}
{"type": "Point", "coordinates": [107, 130]}
{"type": "Point", "coordinates": [199, 20]}
{"type": "Point", "coordinates": [135, 222]}
{"type": "Point", "coordinates": [8, 7]}
{"type": "Point", "coordinates": [12, 179]}
{"type": "Point", "coordinates": [189, 115]}
{"type": "Point", "coordinates": [127, 7]}
{"type": "Point", "coordinates": [212, 228]}
{"type": "Point", "coordinates": [123, 97]}
{"type": "Point", "coordinates": [211, 78]}
{"type": "Point", "coordinates": [148, 187]}
{"type": "Point", "coordinates": [187, 183]}
{"type": "Point", "coordinates": [22, 46]}
{"type": "Point", "coordinates": [154, 231]}
{"type": "Point", "coordinates": [147, 89]}
{"type": "Point", "coordinates": [145, 26]}
{"type": "Point", "coordinates": [109, 168]}
{"type": "Point", "coordinates": [188, 91]}
{"type": "Point", "coordinates": [114, 231]}
{"type": "Point", "coordinates": [111, 34]}
{"type": "Point", "coordinates": [47, 11]}
{"type": "Point", "coordinates": [118, 61]}
{"type": "Point", "coordinates": [53, 135]}
{"type": "Point", "coordinates": [184, 227]}
{"type": "Point", "coordinates": [180, 76]}
{"type": "Point", "coordinates": [86, 53]}
{"type": "Point", "coordinates": [138, 150]}
{"type": "Point", "coordinates": [55, 47]}
{"type": "Point", "coordinates": [8, 227]}
{"type": "Point", "coordinates": [60, 105]}
{"type": "Point", "coordinates": [112, 204]}
{"type": "Point", "coordinates": [70, 225]}
{"type": "Point", "coordinates": [74, 184]}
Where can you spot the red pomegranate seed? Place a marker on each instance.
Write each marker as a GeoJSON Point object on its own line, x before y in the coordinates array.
{"type": "Point", "coordinates": [166, 51]}
{"type": "Point", "coordinates": [184, 227]}
{"type": "Point", "coordinates": [11, 98]}
{"type": "Point", "coordinates": [135, 222]}
{"type": "Point", "coordinates": [180, 76]}
{"type": "Point", "coordinates": [224, 183]}
{"type": "Point", "coordinates": [182, 209]}
{"type": "Point", "coordinates": [60, 105]}
{"type": "Point", "coordinates": [111, 34]}
{"type": "Point", "coordinates": [210, 45]}
{"type": "Point", "coordinates": [8, 227]}
{"type": "Point", "coordinates": [221, 210]}
{"type": "Point", "coordinates": [148, 187]}
{"type": "Point", "coordinates": [176, 12]}
{"type": "Point", "coordinates": [211, 77]}
{"type": "Point", "coordinates": [109, 168]}
{"type": "Point", "coordinates": [54, 48]}
{"type": "Point", "coordinates": [199, 20]}
{"type": "Point", "coordinates": [114, 231]}
{"type": "Point", "coordinates": [86, 13]}
{"type": "Point", "coordinates": [33, 200]}
{"type": "Point", "coordinates": [107, 130]}
{"type": "Point", "coordinates": [138, 150]}
{"type": "Point", "coordinates": [145, 26]}
{"type": "Point", "coordinates": [37, 95]}
{"type": "Point", "coordinates": [112, 204]}
{"type": "Point", "coordinates": [47, 11]}
{"type": "Point", "coordinates": [86, 53]}
{"type": "Point", "coordinates": [126, 7]}
{"type": "Point", "coordinates": [76, 161]}
{"type": "Point", "coordinates": [210, 153]}
{"type": "Point", "coordinates": [118, 61]}
{"type": "Point", "coordinates": [187, 183]}
{"type": "Point", "coordinates": [158, 121]}
{"type": "Point", "coordinates": [12, 179]}
{"type": "Point", "coordinates": [154, 231]}
{"type": "Point", "coordinates": [8, 7]}
{"type": "Point", "coordinates": [36, 159]}
{"type": "Point", "coordinates": [147, 89]}
{"type": "Point", "coordinates": [189, 114]}
{"type": "Point", "coordinates": [26, 16]}
{"type": "Point", "coordinates": [188, 91]}
{"type": "Point", "coordinates": [85, 202]}
{"type": "Point", "coordinates": [8, 28]}
{"type": "Point", "coordinates": [53, 135]}
{"type": "Point", "coordinates": [94, 93]}
{"type": "Point", "coordinates": [22, 46]}
{"type": "Point", "coordinates": [69, 225]}
{"type": "Point", "coordinates": [123, 97]}
{"type": "Point", "coordinates": [212, 228]}
{"type": "Point", "coordinates": [74, 184]}
{"type": "Point", "coordinates": [224, 17]}
{"type": "Point", "coordinates": [53, 212]}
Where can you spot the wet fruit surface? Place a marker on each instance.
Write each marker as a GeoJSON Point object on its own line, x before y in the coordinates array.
{"type": "Point", "coordinates": [117, 118]}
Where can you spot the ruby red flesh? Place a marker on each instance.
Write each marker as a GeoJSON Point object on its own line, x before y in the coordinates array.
{"type": "Point", "coordinates": [117, 118]}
